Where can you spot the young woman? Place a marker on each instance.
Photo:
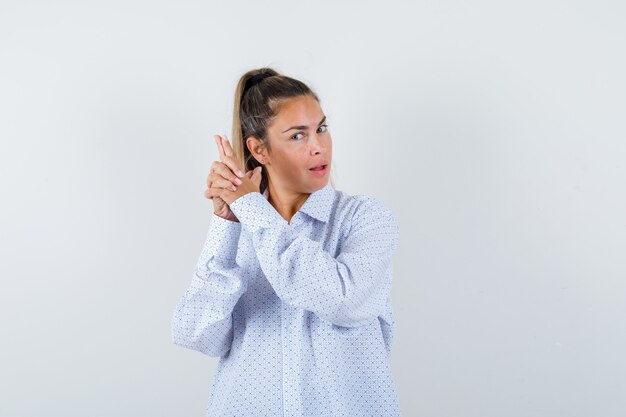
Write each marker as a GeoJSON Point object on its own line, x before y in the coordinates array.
{"type": "Point", "coordinates": [291, 290]}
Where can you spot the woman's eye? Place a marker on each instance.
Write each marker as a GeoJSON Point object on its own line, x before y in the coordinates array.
{"type": "Point", "coordinates": [325, 128]}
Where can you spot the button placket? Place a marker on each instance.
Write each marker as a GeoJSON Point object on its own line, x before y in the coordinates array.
{"type": "Point", "coordinates": [286, 409]}
{"type": "Point", "coordinates": [291, 395]}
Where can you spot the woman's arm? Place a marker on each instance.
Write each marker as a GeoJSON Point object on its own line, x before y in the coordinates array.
{"type": "Point", "coordinates": [202, 319]}
{"type": "Point", "coordinates": [350, 290]}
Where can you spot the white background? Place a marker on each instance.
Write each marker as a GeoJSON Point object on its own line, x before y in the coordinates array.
{"type": "Point", "coordinates": [495, 130]}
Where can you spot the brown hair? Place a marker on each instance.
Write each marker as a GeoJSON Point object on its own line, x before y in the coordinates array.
{"type": "Point", "coordinates": [254, 111]}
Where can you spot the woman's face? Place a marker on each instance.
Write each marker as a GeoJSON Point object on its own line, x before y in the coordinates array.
{"type": "Point", "coordinates": [299, 140]}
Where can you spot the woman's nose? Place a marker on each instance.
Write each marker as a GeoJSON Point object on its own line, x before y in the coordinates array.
{"type": "Point", "coordinates": [317, 144]}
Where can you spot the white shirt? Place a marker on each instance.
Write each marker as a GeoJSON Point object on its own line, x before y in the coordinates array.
{"type": "Point", "coordinates": [299, 313]}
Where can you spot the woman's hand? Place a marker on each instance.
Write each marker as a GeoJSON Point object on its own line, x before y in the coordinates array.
{"type": "Point", "coordinates": [223, 186]}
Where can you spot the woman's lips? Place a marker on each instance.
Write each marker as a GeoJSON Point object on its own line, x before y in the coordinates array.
{"type": "Point", "coordinates": [319, 170]}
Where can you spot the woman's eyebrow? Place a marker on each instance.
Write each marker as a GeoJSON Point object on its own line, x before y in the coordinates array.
{"type": "Point", "coordinates": [304, 127]}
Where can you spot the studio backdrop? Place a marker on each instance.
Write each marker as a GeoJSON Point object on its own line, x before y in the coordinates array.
{"type": "Point", "coordinates": [494, 130]}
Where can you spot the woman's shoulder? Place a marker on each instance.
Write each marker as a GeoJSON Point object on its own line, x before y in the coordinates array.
{"type": "Point", "coordinates": [366, 217]}
{"type": "Point", "coordinates": [363, 208]}
{"type": "Point", "coordinates": [360, 202]}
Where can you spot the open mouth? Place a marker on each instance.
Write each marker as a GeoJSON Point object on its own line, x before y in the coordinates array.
{"type": "Point", "coordinates": [319, 168]}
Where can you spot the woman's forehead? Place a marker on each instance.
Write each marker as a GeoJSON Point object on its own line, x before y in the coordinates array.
{"type": "Point", "coordinates": [299, 111]}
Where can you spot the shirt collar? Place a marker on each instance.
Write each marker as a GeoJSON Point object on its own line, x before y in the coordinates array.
{"type": "Point", "coordinates": [319, 203]}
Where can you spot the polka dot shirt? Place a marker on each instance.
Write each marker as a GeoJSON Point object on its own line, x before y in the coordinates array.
{"type": "Point", "coordinates": [298, 312]}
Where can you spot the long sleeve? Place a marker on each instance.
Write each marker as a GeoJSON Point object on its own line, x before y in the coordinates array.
{"type": "Point", "coordinates": [202, 319]}
{"type": "Point", "coordinates": [348, 290]}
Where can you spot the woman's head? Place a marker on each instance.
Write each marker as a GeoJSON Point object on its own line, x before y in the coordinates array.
{"type": "Point", "coordinates": [278, 123]}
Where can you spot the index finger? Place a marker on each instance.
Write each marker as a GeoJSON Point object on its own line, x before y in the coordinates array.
{"type": "Point", "coordinates": [227, 155]}
{"type": "Point", "coordinates": [220, 148]}
{"type": "Point", "coordinates": [228, 150]}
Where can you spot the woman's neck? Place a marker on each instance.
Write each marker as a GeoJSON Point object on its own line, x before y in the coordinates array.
{"type": "Point", "coordinates": [286, 203]}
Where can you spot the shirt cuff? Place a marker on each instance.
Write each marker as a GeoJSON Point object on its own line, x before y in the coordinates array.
{"type": "Point", "coordinates": [255, 212]}
{"type": "Point", "coordinates": [223, 238]}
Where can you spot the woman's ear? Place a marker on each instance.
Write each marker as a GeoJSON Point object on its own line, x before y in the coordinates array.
{"type": "Point", "coordinates": [256, 148]}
